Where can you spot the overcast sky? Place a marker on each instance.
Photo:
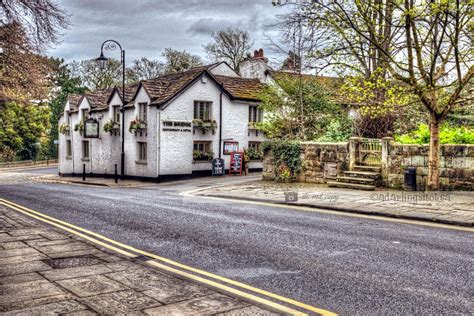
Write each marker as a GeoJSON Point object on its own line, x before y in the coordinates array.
{"type": "Point", "coordinates": [146, 27]}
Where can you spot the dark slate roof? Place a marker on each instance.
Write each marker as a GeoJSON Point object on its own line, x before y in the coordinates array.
{"type": "Point", "coordinates": [240, 88]}
{"type": "Point", "coordinates": [98, 99]}
{"type": "Point", "coordinates": [163, 88]}
{"type": "Point", "coordinates": [74, 101]}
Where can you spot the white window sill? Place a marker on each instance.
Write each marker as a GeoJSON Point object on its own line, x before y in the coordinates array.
{"type": "Point", "coordinates": [202, 161]}
{"type": "Point", "coordinates": [85, 159]}
{"type": "Point", "coordinates": [141, 162]}
{"type": "Point", "coordinates": [69, 157]}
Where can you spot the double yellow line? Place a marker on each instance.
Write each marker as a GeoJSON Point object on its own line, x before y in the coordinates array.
{"type": "Point", "coordinates": [210, 279]}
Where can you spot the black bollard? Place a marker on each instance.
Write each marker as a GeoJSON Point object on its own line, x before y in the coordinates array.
{"type": "Point", "coordinates": [116, 174]}
{"type": "Point", "coordinates": [84, 172]}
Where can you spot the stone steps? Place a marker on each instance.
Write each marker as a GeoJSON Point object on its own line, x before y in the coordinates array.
{"type": "Point", "coordinates": [355, 180]}
{"type": "Point", "coordinates": [367, 168]}
{"type": "Point", "coordinates": [362, 174]}
{"type": "Point", "coordinates": [348, 185]}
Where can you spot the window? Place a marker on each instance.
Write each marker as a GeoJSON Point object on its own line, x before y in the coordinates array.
{"type": "Point", "coordinates": [202, 110]}
{"type": "Point", "coordinates": [85, 114]}
{"type": "Point", "coordinates": [142, 151]}
{"type": "Point", "coordinates": [142, 108]}
{"type": "Point", "coordinates": [85, 149]}
{"type": "Point", "coordinates": [255, 114]}
{"type": "Point", "coordinates": [68, 148]}
{"type": "Point", "coordinates": [202, 146]}
{"type": "Point", "coordinates": [254, 146]}
{"type": "Point", "coordinates": [116, 114]}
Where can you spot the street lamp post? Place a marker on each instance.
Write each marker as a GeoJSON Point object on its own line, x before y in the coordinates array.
{"type": "Point", "coordinates": [102, 60]}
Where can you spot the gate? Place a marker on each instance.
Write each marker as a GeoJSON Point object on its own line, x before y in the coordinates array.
{"type": "Point", "coordinates": [370, 152]}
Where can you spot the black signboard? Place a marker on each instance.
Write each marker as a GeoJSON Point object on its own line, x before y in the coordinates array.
{"type": "Point", "coordinates": [91, 128]}
{"type": "Point", "coordinates": [218, 167]}
{"type": "Point", "coordinates": [236, 163]}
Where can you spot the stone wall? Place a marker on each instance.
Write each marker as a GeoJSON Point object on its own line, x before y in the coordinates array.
{"type": "Point", "coordinates": [315, 156]}
{"type": "Point", "coordinates": [456, 165]}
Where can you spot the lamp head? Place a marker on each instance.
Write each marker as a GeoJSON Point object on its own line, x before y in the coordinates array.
{"type": "Point", "coordinates": [102, 60]}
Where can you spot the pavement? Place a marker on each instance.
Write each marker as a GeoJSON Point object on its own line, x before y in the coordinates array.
{"type": "Point", "coordinates": [341, 262]}
{"type": "Point", "coordinates": [45, 271]}
{"type": "Point", "coordinates": [453, 207]}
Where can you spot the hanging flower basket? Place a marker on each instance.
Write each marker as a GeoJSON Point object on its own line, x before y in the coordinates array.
{"type": "Point", "coordinates": [65, 129]}
{"type": "Point", "coordinates": [137, 126]}
{"type": "Point", "coordinates": [79, 127]}
{"type": "Point", "coordinates": [205, 125]}
{"type": "Point", "coordinates": [111, 127]}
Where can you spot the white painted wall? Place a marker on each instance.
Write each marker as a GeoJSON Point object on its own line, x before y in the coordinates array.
{"type": "Point", "coordinates": [253, 68]}
{"type": "Point", "coordinates": [224, 70]}
{"type": "Point", "coordinates": [170, 150]}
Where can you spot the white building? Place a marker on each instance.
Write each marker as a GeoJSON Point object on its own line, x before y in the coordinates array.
{"type": "Point", "coordinates": [182, 121]}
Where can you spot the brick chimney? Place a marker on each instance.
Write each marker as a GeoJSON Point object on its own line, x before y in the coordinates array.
{"type": "Point", "coordinates": [254, 66]}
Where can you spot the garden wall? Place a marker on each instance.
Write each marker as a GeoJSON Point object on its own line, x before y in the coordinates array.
{"type": "Point", "coordinates": [323, 161]}
{"type": "Point", "coordinates": [456, 165]}
{"type": "Point", "coordinates": [320, 161]}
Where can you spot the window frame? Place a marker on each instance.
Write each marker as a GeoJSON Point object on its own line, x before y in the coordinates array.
{"type": "Point", "coordinates": [257, 147]}
{"type": "Point", "coordinates": [68, 148]}
{"type": "Point", "coordinates": [142, 111]}
{"type": "Point", "coordinates": [207, 145]}
{"type": "Point", "coordinates": [116, 113]}
{"type": "Point", "coordinates": [198, 113]}
{"type": "Point", "coordinates": [255, 114]}
{"type": "Point", "coordinates": [85, 114]}
{"type": "Point", "coordinates": [142, 149]}
{"type": "Point", "coordinates": [84, 151]}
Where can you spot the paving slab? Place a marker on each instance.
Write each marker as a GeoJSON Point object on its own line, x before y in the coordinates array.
{"type": "Point", "coordinates": [44, 271]}
{"type": "Point", "coordinates": [50, 309]}
{"type": "Point", "coordinates": [449, 207]}
{"type": "Point", "coordinates": [206, 305]}
{"type": "Point", "coordinates": [71, 273]}
{"type": "Point", "coordinates": [91, 285]}
{"type": "Point", "coordinates": [121, 302]}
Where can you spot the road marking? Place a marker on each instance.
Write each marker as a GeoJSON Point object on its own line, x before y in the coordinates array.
{"type": "Point", "coordinates": [61, 224]}
{"type": "Point", "coordinates": [324, 211]}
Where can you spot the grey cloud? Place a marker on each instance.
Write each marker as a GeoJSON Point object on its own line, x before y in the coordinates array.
{"type": "Point", "coordinates": [206, 26]}
{"type": "Point", "coordinates": [146, 27]}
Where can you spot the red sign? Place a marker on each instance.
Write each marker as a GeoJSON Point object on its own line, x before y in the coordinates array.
{"type": "Point", "coordinates": [236, 162]}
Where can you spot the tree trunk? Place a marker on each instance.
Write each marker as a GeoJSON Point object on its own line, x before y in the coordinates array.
{"type": "Point", "coordinates": [433, 158]}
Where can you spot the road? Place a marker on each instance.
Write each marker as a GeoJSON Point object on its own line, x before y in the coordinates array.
{"type": "Point", "coordinates": [347, 265]}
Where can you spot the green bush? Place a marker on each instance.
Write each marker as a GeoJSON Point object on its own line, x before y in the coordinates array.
{"type": "Point", "coordinates": [286, 155]}
{"type": "Point", "coordinates": [447, 135]}
{"type": "Point", "coordinates": [338, 130]}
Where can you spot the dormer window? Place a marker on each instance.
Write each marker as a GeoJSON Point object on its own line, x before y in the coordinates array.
{"type": "Point", "coordinates": [142, 112]}
{"type": "Point", "coordinates": [116, 114]}
{"type": "Point", "coordinates": [85, 114]}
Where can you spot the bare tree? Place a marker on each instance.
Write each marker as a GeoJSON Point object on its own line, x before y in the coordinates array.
{"type": "Point", "coordinates": [230, 45]}
{"type": "Point", "coordinates": [177, 61]}
{"type": "Point", "coordinates": [93, 77]}
{"type": "Point", "coordinates": [41, 20]}
{"type": "Point", "coordinates": [426, 45]}
{"type": "Point", "coordinates": [145, 68]}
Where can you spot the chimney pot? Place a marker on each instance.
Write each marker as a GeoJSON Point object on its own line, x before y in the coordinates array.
{"type": "Point", "coordinates": [260, 53]}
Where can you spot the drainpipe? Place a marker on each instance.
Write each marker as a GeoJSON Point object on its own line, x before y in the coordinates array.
{"type": "Point", "coordinates": [158, 154]}
{"type": "Point", "coordinates": [220, 125]}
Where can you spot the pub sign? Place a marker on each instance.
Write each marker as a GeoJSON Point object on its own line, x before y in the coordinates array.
{"type": "Point", "coordinates": [91, 128]}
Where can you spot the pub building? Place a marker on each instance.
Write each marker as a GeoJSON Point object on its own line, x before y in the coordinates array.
{"type": "Point", "coordinates": [175, 125]}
